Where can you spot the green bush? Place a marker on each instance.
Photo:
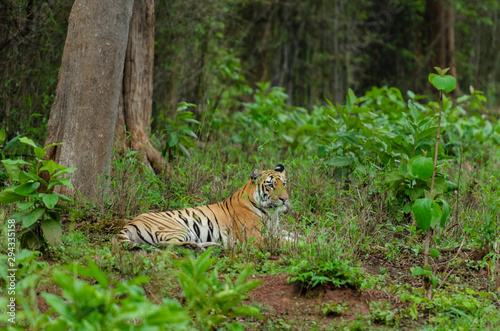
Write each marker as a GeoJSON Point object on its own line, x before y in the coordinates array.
{"type": "Point", "coordinates": [39, 205]}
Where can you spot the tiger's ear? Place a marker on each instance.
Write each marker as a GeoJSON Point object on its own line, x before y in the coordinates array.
{"type": "Point", "coordinates": [255, 174]}
{"type": "Point", "coordinates": [280, 168]}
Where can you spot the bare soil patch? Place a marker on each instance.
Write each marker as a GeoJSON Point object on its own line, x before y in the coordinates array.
{"type": "Point", "coordinates": [287, 301]}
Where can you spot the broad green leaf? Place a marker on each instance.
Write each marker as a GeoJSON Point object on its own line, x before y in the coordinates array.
{"type": "Point", "coordinates": [19, 216]}
{"type": "Point", "coordinates": [32, 217]}
{"type": "Point", "coordinates": [52, 231]}
{"type": "Point", "coordinates": [98, 274]}
{"type": "Point", "coordinates": [436, 214]}
{"type": "Point", "coordinates": [422, 212]}
{"type": "Point", "coordinates": [51, 167]}
{"type": "Point", "coordinates": [190, 132]}
{"type": "Point", "coordinates": [50, 200]}
{"type": "Point", "coordinates": [192, 120]}
{"type": "Point", "coordinates": [66, 171]}
{"type": "Point", "coordinates": [427, 271]}
{"type": "Point", "coordinates": [440, 71]}
{"type": "Point", "coordinates": [63, 197]}
{"type": "Point", "coordinates": [25, 205]}
{"type": "Point", "coordinates": [184, 150]}
{"type": "Point", "coordinates": [422, 167]}
{"type": "Point", "coordinates": [446, 211]}
{"type": "Point", "coordinates": [431, 77]}
{"type": "Point", "coordinates": [243, 276]}
{"type": "Point", "coordinates": [434, 253]}
{"type": "Point", "coordinates": [173, 139]}
{"type": "Point", "coordinates": [413, 110]}
{"type": "Point", "coordinates": [27, 141]}
{"type": "Point", "coordinates": [446, 83]}
{"type": "Point", "coordinates": [51, 145]}
{"type": "Point", "coordinates": [417, 271]}
{"type": "Point", "coordinates": [339, 161]}
{"type": "Point", "coordinates": [11, 142]}
{"type": "Point", "coordinates": [439, 186]}
{"type": "Point", "coordinates": [350, 100]}
{"type": "Point", "coordinates": [59, 305]}
{"type": "Point", "coordinates": [247, 311]}
{"type": "Point", "coordinates": [27, 188]}
{"type": "Point", "coordinates": [12, 168]}
{"type": "Point", "coordinates": [39, 152]}
{"type": "Point", "coordinates": [9, 195]}
{"type": "Point", "coordinates": [25, 176]}
{"type": "Point", "coordinates": [60, 181]}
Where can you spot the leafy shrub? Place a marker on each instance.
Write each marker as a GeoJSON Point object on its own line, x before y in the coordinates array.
{"type": "Point", "coordinates": [105, 307]}
{"type": "Point", "coordinates": [180, 134]}
{"type": "Point", "coordinates": [210, 302]}
{"type": "Point", "coordinates": [382, 313]}
{"type": "Point", "coordinates": [334, 308]}
{"type": "Point", "coordinates": [337, 273]}
{"type": "Point", "coordinates": [39, 205]}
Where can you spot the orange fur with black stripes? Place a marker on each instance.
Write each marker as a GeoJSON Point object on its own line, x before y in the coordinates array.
{"type": "Point", "coordinates": [239, 217]}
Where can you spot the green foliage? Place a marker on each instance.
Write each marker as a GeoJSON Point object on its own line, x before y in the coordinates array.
{"type": "Point", "coordinates": [337, 273]}
{"type": "Point", "coordinates": [39, 205]}
{"type": "Point", "coordinates": [209, 301]}
{"type": "Point", "coordinates": [179, 133]}
{"type": "Point", "coordinates": [108, 304]}
{"type": "Point", "coordinates": [334, 308]}
{"type": "Point", "coordinates": [382, 313]}
{"type": "Point", "coordinates": [441, 81]}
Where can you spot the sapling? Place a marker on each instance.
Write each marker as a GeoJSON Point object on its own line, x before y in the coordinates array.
{"type": "Point", "coordinates": [427, 211]}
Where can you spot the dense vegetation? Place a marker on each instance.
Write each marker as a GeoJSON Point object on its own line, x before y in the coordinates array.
{"type": "Point", "coordinates": [359, 159]}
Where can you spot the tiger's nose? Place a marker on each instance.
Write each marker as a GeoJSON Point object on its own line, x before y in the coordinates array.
{"type": "Point", "coordinates": [284, 199]}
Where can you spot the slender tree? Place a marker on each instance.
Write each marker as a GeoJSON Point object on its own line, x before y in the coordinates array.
{"type": "Point", "coordinates": [136, 99]}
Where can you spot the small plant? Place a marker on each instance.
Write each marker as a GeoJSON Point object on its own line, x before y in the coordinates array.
{"type": "Point", "coordinates": [382, 313]}
{"type": "Point", "coordinates": [180, 135]}
{"type": "Point", "coordinates": [3, 148]}
{"type": "Point", "coordinates": [333, 309]}
{"type": "Point", "coordinates": [211, 302]}
{"type": "Point", "coordinates": [429, 212]}
{"type": "Point", "coordinates": [337, 272]}
{"type": "Point", "coordinates": [39, 205]}
{"type": "Point", "coordinates": [104, 307]}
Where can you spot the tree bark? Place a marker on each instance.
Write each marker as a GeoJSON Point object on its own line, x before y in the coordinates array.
{"type": "Point", "coordinates": [136, 100]}
{"type": "Point", "coordinates": [85, 110]}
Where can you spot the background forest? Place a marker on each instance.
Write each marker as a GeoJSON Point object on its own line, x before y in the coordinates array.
{"type": "Point", "coordinates": [219, 50]}
{"type": "Point", "coordinates": [392, 169]}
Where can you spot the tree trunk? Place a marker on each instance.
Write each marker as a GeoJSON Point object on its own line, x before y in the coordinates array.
{"type": "Point", "coordinates": [85, 109]}
{"type": "Point", "coordinates": [439, 20]}
{"type": "Point", "coordinates": [450, 39]}
{"type": "Point", "coordinates": [134, 112]}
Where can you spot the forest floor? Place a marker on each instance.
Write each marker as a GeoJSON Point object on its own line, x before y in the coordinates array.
{"type": "Point", "coordinates": [286, 305]}
{"type": "Point", "coordinates": [355, 242]}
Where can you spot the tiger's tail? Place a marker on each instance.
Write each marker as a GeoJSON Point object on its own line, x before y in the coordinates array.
{"type": "Point", "coordinates": [125, 237]}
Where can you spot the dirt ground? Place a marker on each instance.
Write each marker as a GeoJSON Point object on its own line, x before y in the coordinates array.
{"type": "Point", "coordinates": [288, 301]}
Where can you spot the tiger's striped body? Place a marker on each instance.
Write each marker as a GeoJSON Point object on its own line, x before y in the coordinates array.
{"type": "Point", "coordinates": [239, 217]}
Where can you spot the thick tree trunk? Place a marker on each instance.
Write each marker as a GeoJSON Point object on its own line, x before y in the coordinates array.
{"type": "Point", "coordinates": [134, 112]}
{"type": "Point", "coordinates": [85, 109]}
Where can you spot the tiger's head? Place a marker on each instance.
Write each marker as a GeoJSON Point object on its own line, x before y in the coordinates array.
{"type": "Point", "coordinates": [270, 189]}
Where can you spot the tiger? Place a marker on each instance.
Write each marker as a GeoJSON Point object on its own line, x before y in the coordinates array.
{"type": "Point", "coordinates": [240, 217]}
